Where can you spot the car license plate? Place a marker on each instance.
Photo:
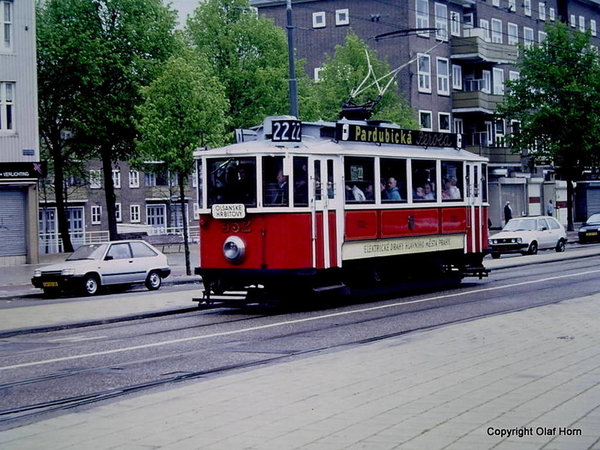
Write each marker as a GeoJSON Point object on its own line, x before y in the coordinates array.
{"type": "Point", "coordinates": [50, 284]}
{"type": "Point", "coordinates": [591, 233]}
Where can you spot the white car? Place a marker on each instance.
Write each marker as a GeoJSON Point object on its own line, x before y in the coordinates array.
{"type": "Point", "coordinates": [109, 263]}
{"type": "Point", "coordinates": [527, 235]}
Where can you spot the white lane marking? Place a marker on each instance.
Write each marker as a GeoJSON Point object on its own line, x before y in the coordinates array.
{"type": "Point", "coordinates": [288, 322]}
{"type": "Point", "coordinates": [77, 339]}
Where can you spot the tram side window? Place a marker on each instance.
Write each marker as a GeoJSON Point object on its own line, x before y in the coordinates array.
{"type": "Point", "coordinates": [275, 184]}
{"type": "Point", "coordinates": [300, 181]}
{"type": "Point", "coordinates": [393, 180]}
{"type": "Point", "coordinates": [424, 180]}
{"type": "Point", "coordinates": [232, 180]}
{"type": "Point", "coordinates": [359, 176]}
{"type": "Point", "coordinates": [453, 180]}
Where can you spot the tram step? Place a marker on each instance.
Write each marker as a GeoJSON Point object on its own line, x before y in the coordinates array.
{"type": "Point", "coordinates": [342, 288]}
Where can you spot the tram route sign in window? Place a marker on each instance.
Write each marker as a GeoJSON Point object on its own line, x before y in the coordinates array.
{"type": "Point", "coordinates": [287, 131]}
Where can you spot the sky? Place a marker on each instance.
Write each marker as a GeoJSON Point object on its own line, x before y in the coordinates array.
{"type": "Point", "coordinates": [184, 7]}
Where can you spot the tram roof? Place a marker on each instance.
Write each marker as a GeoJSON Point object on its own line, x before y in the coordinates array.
{"type": "Point", "coordinates": [315, 142]}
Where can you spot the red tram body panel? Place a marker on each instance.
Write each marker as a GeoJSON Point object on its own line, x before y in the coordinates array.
{"type": "Point", "coordinates": [332, 205]}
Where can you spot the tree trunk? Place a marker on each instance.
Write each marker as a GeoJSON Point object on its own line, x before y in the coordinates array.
{"type": "Point", "coordinates": [109, 190]}
{"type": "Point", "coordinates": [186, 244]}
{"type": "Point", "coordinates": [61, 208]}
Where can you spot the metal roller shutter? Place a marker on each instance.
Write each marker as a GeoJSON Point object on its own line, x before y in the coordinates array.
{"type": "Point", "coordinates": [12, 222]}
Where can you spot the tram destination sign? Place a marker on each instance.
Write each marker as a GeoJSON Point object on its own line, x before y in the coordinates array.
{"type": "Point", "coordinates": [395, 136]}
{"type": "Point", "coordinates": [286, 130]}
{"type": "Point", "coordinates": [228, 211]}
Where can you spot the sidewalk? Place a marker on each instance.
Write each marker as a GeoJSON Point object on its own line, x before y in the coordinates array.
{"type": "Point", "coordinates": [525, 380]}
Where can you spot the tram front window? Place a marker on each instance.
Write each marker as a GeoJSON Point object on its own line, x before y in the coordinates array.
{"type": "Point", "coordinates": [232, 180]}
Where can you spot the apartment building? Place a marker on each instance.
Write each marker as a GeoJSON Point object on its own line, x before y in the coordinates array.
{"type": "Point", "coordinates": [462, 52]}
{"type": "Point", "coordinates": [20, 165]}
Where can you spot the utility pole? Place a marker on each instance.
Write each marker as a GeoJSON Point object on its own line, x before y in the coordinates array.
{"type": "Point", "coordinates": [292, 62]}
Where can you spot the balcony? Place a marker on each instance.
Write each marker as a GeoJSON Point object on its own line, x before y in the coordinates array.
{"type": "Point", "coordinates": [479, 144]}
{"type": "Point", "coordinates": [475, 101]}
{"type": "Point", "coordinates": [477, 49]}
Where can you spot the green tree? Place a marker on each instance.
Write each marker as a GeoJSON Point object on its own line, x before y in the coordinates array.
{"type": "Point", "coordinates": [345, 71]}
{"type": "Point", "coordinates": [555, 102]}
{"type": "Point", "coordinates": [185, 108]}
{"type": "Point", "coordinates": [114, 47]}
{"type": "Point", "coordinates": [249, 54]}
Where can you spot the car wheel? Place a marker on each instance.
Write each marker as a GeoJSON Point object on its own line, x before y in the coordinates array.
{"type": "Point", "coordinates": [91, 285]}
{"type": "Point", "coordinates": [153, 281]}
{"type": "Point", "coordinates": [495, 255]}
{"type": "Point", "coordinates": [533, 248]}
{"type": "Point", "coordinates": [560, 247]}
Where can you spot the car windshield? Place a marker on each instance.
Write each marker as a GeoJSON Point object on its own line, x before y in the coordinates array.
{"type": "Point", "coordinates": [594, 218]}
{"type": "Point", "coordinates": [520, 225]}
{"type": "Point", "coordinates": [90, 251]}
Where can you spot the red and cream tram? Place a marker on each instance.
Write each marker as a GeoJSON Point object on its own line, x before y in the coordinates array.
{"type": "Point", "coordinates": [295, 206]}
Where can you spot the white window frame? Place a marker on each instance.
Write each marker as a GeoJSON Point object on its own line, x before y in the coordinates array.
{"type": "Point", "coordinates": [134, 179]}
{"type": "Point", "coordinates": [95, 179]}
{"type": "Point", "coordinates": [135, 214]}
{"type": "Point", "coordinates": [116, 176]}
{"type": "Point", "coordinates": [424, 76]}
{"type": "Point", "coordinates": [6, 26]}
{"type": "Point", "coordinates": [542, 35]}
{"type": "Point", "coordinates": [513, 75]}
{"type": "Point", "coordinates": [496, 3]}
{"type": "Point", "coordinates": [542, 10]}
{"type": "Point", "coordinates": [484, 24]}
{"type": "Point", "coordinates": [196, 210]}
{"type": "Point", "coordinates": [572, 21]}
{"type": "Point", "coordinates": [513, 33]}
{"type": "Point", "coordinates": [512, 5]}
{"type": "Point", "coordinates": [150, 179]}
{"type": "Point", "coordinates": [593, 27]}
{"type": "Point", "coordinates": [443, 79]}
{"type": "Point", "coordinates": [528, 37]}
{"type": "Point", "coordinates": [441, 21]}
{"type": "Point", "coordinates": [552, 14]}
{"type": "Point", "coordinates": [422, 16]}
{"type": "Point", "coordinates": [317, 73]}
{"type": "Point", "coordinates": [498, 81]}
{"type": "Point", "coordinates": [486, 81]}
{"type": "Point", "coordinates": [497, 31]}
{"type": "Point", "coordinates": [457, 82]}
{"type": "Point", "coordinates": [455, 23]}
{"type": "Point", "coordinates": [459, 126]}
{"type": "Point", "coordinates": [424, 113]}
{"type": "Point", "coordinates": [527, 7]}
{"type": "Point", "coordinates": [319, 19]}
{"type": "Point", "coordinates": [449, 121]}
{"type": "Point", "coordinates": [118, 212]}
{"type": "Point", "coordinates": [342, 17]}
{"type": "Point", "coordinates": [96, 215]}
{"type": "Point", "coordinates": [7, 107]}
{"type": "Point", "coordinates": [582, 24]}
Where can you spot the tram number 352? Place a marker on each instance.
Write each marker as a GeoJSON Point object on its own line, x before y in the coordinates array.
{"type": "Point", "coordinates": [287, 131]}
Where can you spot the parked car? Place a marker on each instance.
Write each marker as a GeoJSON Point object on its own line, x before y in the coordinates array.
{"type": "Point", "coordinates": [590, 229]}
{"type": "Point", "coordinates": [92, 266]}
{"type": "Point", "coordinates": [527, 235]}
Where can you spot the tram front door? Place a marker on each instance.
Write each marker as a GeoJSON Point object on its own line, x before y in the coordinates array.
{"type": "Point", "coordinates": [327, 212]}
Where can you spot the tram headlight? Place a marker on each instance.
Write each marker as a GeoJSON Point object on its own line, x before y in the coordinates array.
{"type": "Point", "coordinates": [234, 249]}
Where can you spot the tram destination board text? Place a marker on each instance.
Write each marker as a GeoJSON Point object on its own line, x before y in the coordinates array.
{"type": "Point", "coordinates": [395, 136]}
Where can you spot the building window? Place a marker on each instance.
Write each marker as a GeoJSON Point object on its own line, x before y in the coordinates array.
{"type": "Point", "coordinates": [572, 21]}
{"type": "Point", "coordinates": [513, 34]}
{"type": "Point", "coordinates": [528, 37]}
{"type": "Point", "coordinates": [542, 10]}
{"type": "Point", "coordinates": [317, 73]}
{"type": "Point", "coordinates": [441, 22]}
{"type": "Point", "coordinates": [454, 23]}
{"type": "Point", "coordinates": [582, 24]}
{"type": "Point", "coordinates": [96, 215]}
{"type": "Point", "coordinates": [552, 14]}
{"type": "Point", "coordinates": [527, 7]}
{"type": "Point", "coordinates": [457, 77]}
{"type": "Point", "coordinates": [134, 213]}
{"type": "Point", "coordinates": [485, 29]}
{"type": "Point", "coordinates": [425, 120]}
{"type": "Point", "coordinates": [593, 27]}
{"type": "Point", "coordinates": [444, 122]}
{"type": "Point", "coordinates": [424, 73]}
{"type": "Point", "coordinates": [95, 179]}
{"type": "Point", "coordinates": [156, 215]}
{"type": "Point", "coordinates": [468, 20]}
{"type": "Point", "coordinates": [512, 6]}
{"type": "Point", "coordinates": [342, 17]}
{"type": "Point", "coordinates": [196, 208]}
{"type": "Point", "coordinates": [443, 76]}
{"type": "Point", "coordinates": [513, 75]}
{"type": "Point", "coordinates": [6, 24]}
{"type": "Point", "coordinates": [542, 36]}
{"type": "Point", "coordinates": [6, 106]}
{"type": "Point", "coordinates": [319, 20]}
{"type": "Point", "coordinates": [497, 31]}
{"type": "Point", "coordinates": [134, 179]}
{"type": "Point", "coordinates": [118, 214]}
{"type": "Point", "coordinates": [496, 3]}
{"type": "Point", "coordinates": [150, 179]}
{"type": "Point", "coordinates": [422, 16]}
{"type": "Point", "coordinates": [498, 81]}
{"type": "Point", "coordinates": [116, 176]}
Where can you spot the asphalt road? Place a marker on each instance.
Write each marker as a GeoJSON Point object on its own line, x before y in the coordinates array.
{"type": "Point", "coordinates": [42, 374]}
